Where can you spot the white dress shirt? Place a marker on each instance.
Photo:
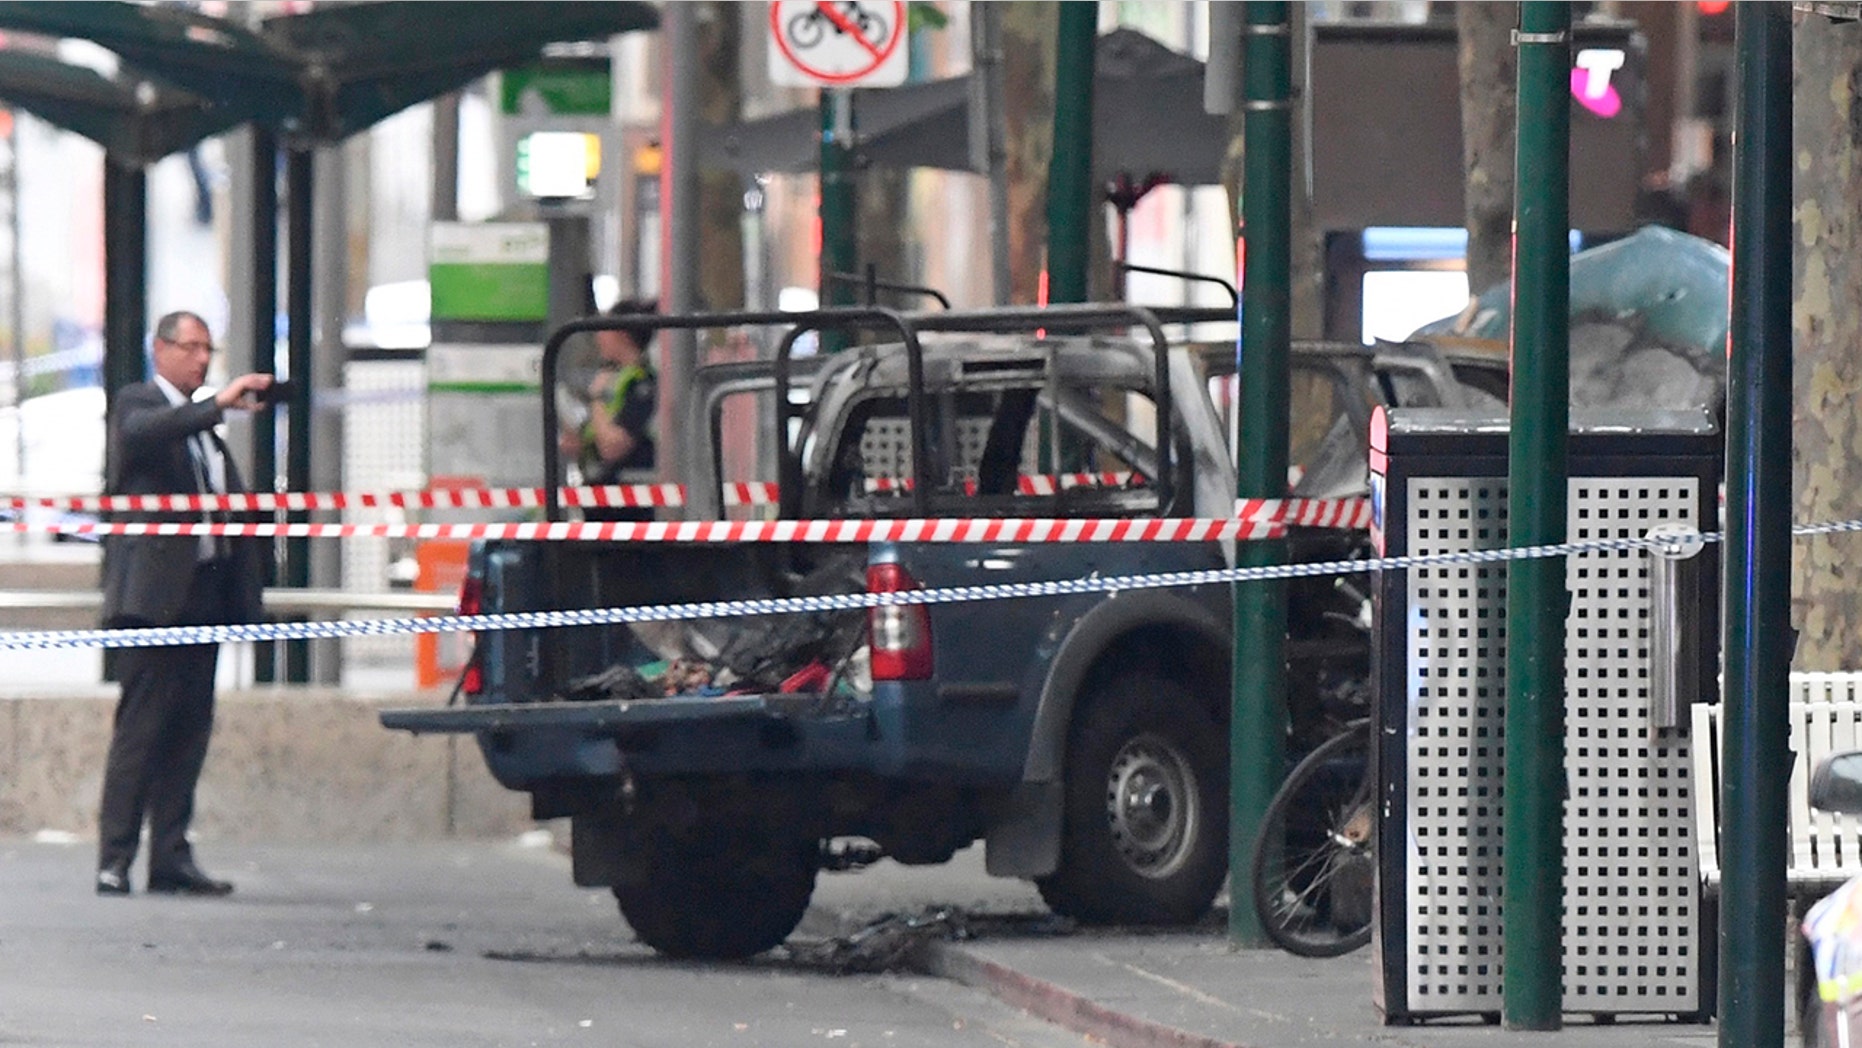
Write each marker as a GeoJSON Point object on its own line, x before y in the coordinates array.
{"type": "Point", "coordinates": [207, 461]}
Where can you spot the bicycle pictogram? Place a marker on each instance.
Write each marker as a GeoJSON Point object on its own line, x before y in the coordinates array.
{"type": "Point", "coordinates": [841, 17]}
{"type": "Point", "coordinates": [834, 43]}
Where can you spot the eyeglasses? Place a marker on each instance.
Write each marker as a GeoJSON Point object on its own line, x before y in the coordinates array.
{"type": "Point", "coordinates": [191, 346]}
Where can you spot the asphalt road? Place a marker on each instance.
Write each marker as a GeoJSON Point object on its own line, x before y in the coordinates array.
{"type": "Point", "coordinates": [452, 944]}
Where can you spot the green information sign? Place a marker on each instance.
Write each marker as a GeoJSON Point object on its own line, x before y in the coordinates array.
{"type": "Point", "coordinates": [489, 271]}
{"type": "Point", "coordinates": [558, 87]}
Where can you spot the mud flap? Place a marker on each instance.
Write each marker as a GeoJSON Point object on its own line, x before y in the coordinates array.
{"type": "Point", "coordinates": [596, 847]}
{"type": "Point", "coordinates": [1024, 840]}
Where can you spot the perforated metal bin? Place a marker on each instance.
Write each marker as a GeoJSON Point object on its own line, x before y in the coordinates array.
{"type": "Point", "coordinates": [1636, 939]}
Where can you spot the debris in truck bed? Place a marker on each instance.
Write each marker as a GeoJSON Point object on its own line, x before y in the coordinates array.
{"type": "Point", "coordinates": [653, 680]}
{"type": "Point", "coordinates": [615, 682]}
{"type": "Point", "coordinates": [762, 653]}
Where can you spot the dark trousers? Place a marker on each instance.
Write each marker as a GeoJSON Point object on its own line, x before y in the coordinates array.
{"type": "Point", "coordinates": [163, 721]}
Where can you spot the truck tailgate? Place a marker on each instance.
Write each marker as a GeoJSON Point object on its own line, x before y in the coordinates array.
{"type": "Point", "coordinates": [599, 714]}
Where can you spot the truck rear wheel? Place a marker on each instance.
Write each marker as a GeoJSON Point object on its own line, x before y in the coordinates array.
{"type": "Point", "coordinates": [718, 893]}
{"type": "Point", "coordinates": [1145, 827]}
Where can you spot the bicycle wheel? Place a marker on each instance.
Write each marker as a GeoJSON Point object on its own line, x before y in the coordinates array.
{"type": "Point", "coordinates": [805, 30]}
{"type": "Point", "coordinates": [1314, 864]}
{"type": "Point", "coordinates": [872, 27]}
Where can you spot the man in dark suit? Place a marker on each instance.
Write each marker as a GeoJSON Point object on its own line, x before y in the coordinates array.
{"type": "Point", "coordinates": [162, 441]}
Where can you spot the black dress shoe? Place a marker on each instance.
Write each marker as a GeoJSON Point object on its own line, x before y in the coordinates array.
{"type": "Point", "coordinates": [113, 880]}
{"type": "Point", "coordinates": [187, 880]}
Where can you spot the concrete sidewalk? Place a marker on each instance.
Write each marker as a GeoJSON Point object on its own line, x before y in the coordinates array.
{"type": "Point", "coordinates": [1191, 990]}
{"type": "Point", "coordinates": [1136, 988]}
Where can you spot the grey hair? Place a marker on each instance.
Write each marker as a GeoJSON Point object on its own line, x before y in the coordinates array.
{"type": "Point", "coordinates": [168, 326]}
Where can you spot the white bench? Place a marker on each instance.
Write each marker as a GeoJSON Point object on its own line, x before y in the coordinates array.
{"type": "Point", "coordinates": [1826, 849]}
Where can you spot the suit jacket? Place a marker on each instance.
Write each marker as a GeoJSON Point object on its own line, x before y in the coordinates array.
{"type": "Point", "coordinates": [146, 577]}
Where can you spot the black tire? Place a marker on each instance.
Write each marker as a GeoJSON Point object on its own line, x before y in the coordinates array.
{"type": "Point", "coordinates": [872, 27]}
{"type": "Point", "coordinates": [1314, 861]}
{"type": "Point", "coordinates": [1144, 835]}
{"type": "Point", "coordinates": [805, 30]}
{"type": "Point", "coordinates": [719, 893]}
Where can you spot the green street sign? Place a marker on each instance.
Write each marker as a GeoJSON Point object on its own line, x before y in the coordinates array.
{"type": "Point", "coordinates": [558, 87]}
{"type": "Point", "coordinates": [489, 270]}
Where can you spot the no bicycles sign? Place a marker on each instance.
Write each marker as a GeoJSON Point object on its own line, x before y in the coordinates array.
{"type": "Point", "coordinates": [837, 43]}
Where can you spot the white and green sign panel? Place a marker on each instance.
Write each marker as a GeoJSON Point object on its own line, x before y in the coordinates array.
{"type": "Point", "coordinates": [485, 412]}
{"type": "Point", "coordinates": [489, 271]}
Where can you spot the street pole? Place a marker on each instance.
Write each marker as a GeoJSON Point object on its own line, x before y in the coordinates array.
{"type": "Point", "coordinates": [988, 145]}
{"type": "Point", "coordinates": [445, 200]}
{"type": "Point", "coordinates": [840, 250]}
{"type": "Point", "coordinates": [262, 316]}
{"type": "Point", "coordinates": [126, 272]}
{"type": "Point", "coordinates": [1536, 494]}
{"type": "Point", "coordinates": [16, 296]}
{"type": "Point", "coordinates": [1257, 723]}
{"type": "Point", "coordinates": [329, 366]}
{"type": "Point", "coordinates": [679, 233]}
{"type": "Point", "coordinates": [1070, 211]}
{"type": "Point", "coordinates": [299, 175]}
{"type": "Point", "coordinates": [263, 306]}
{"type": "Point", "coordinates": [1758, 637]}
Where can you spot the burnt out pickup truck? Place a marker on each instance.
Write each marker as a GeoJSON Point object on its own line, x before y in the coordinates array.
{"type": "Point", "coordinates": [710, 768]}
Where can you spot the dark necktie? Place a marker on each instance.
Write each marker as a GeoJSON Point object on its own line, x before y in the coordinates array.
{"type": "Point", "coordinates": [199, 449]}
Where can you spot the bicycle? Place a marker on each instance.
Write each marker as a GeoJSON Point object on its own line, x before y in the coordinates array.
{"type": "Point", "coordinates": [807, 29]}
{"type": "Point", "coordinates": [1315, 864]}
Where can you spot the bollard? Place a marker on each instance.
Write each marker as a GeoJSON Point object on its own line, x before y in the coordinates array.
{"type": "Point", "coordinates": [1674, 624]}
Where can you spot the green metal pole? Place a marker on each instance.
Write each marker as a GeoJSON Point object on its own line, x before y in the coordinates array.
{"type": "Point", "coordinates": [1257, 723]}
{"type": "Point", "coordinates": [125, 293]}
{"type": "Point", "coordinates": [840, 249]}
{"type": "Point", "coordinates": [298, 168]}
{"type": "Point", "coordinates": [264, 299]}
{"type": "Point", "coordinates": [264, 336]}
{"type": "Point", "coordinates": [1536, 490]}
{"type": "Point", "coordinates": [126, 268]}
{"type": "Point", "coordinates": [1070, 172]}
{"type": "Point", "coordinates": [1758, 634]}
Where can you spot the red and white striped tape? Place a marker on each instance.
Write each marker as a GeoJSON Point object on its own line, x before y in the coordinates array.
{"type": "Point", "coordinates": [738, 493]}
{"type": "Point", "coordinates": [1183, 529]}
{"type": "Point", "coordinates": [1265, 518]}
{"type": "Point", "coordinates": [1308, 513]}
{"type": "Point", "coordinates": [749, 493]}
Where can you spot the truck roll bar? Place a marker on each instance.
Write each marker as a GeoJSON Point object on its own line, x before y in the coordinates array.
{"type": "Point", "coordinates": [1076, 319]}
{"type": "Point", "coordinates": [814, 320]}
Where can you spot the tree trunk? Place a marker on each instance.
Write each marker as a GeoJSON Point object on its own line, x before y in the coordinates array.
{"type": "Point", "coordinates": [1306, 261]}
{"type": "Point", "coordinates": [721, 193]}
{"type": "Point", "coordinates": [885, 232]}
{"type": "Point", "coordinates": [1827, 276]}
{"type": "Point", "coordinates": [1029, 35]}
{"type": "Point", "coordinates": [1489, 107]}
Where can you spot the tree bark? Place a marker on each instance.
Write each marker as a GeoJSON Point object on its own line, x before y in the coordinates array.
{"type": "Point", "coordinates": [886, 238]}
{"type": "Point", "coordinates": [1827, 276]}
{"type": "Point", "coordinates": [1306, 269]}
{"type": "Point", "coordinates": [1489, 106]}
{"type": "Point", "coordinates": [720, 194]}
{"type": "Point", "coordinates": [1029, 31]}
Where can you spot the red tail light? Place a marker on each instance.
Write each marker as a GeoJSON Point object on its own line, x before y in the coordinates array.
{"type": "Point", "coordinates": [900, 635]}
{"type": "Point", "coordinates": [471, 596]}
{"type": "Point", "coordinates": [471, 602]}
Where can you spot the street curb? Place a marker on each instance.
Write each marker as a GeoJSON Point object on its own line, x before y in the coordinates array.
{"type": "Point", "coordinates": [1056, 1004]}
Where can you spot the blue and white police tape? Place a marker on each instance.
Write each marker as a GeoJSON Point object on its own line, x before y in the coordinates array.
{"type": "Point", "coordinates": [169, 635]}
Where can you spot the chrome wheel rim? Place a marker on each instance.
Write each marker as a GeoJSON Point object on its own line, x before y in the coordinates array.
{"type": "Point", "coordinates": [1152, 806]}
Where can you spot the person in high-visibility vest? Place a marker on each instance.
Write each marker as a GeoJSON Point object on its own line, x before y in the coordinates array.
{"type": "Point", "coordinates": [616, 444]}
